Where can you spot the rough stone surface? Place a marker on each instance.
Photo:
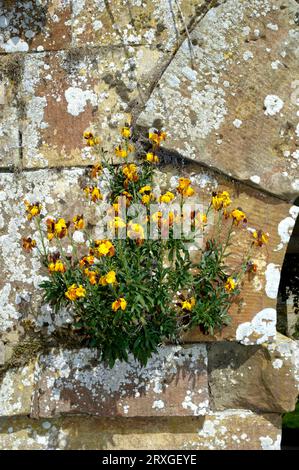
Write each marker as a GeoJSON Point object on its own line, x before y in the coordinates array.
{"type": "Point", "coordinates": [233, 429]}
{"type": "Point", "coordinates": [253, 377]}
{"type": "Point", "coordinates": [37, 26]}
{"type": "Point", "coordinates": [16, 391]}
{"type": "Point", "coordinates": [232, 104]}
{"type": "Point", "coordinates": [174, 383]}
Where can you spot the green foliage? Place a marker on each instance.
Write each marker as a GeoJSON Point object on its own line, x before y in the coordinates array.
{"type": "Point", "coordinates": [140, 292]}
{"type": "Point", "coordinates": [291, 420]}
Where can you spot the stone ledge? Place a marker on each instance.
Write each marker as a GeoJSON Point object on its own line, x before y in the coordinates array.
{"type": "Point", "coordinates": [258, 378]}
{"type": "Point", "coordinates": [233, 429]}
{"type": "Point", "coordinates": [178, 381]}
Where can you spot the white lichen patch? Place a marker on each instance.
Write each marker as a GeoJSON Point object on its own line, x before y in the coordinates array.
{"type": "Point", "coordinates": [77, 99]}
{"type": "Point", "coordinates": [267, 443]}
{"type": "Point", "coordinates": [260, 329]}
{"type": "Point", "coordinates": [273, 105]}
{"type": "Point", "coordinates": [272, 275]}
{"type": "Point", "coordinates": [255, 179]}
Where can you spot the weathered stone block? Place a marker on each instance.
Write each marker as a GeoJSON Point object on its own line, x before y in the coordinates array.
{"type": "Point", "coordinates": [71, 382]}
{"type": "Point", "coordinates": [35, 26]}
{"type": "Point", "coordinates": [16, 390]}
{"type": "Point", "coordinates": [68, 92]}
{"type": "Point", "coordinates": [231, 104]}
{"type": "Point", "coordinates": [151, 22]}
{"type": "Point", "coordinates": [234, 430]}
{"type": "Point", "coordinates": [10, 70]}
{"type": "Point", "coordinates": [253, 377]}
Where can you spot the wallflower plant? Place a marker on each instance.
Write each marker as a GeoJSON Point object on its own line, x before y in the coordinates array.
{"type": "Point", "coordinates": [138, 286]}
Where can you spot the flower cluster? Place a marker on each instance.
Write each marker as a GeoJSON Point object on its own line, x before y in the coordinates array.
{"type": "Point", "coordinates": [130, 293]}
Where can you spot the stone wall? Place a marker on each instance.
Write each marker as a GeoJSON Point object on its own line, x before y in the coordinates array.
{"type": "Point", "coordinates": [222, 77]}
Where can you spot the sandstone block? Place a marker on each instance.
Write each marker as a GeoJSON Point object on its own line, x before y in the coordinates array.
{"type": "Point", "coordinates": [254, 377]}
{"type": "Point", "coordinates": [232, 103]}
{"type": "Point", "coordinates": [174, 383]}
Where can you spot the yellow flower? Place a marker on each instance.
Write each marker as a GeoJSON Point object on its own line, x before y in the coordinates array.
{"type": "Point", "coordinates": [91, 140]}
{"type": "Point", "coordinates": [117, 223]}
{"type": "Point", "coordinates": [104, 248]}
{"type": "Point", "coordinates": [119, 303]}
{"type": "Point", "coordinates": [126, 132]}
{"type": "Point", "coordinates": [121, 152]}
{"type": "Point", "coordinates": [188, 304]}
{"type": "Point", "coordinates": [145, 189]}
{"type": "Point", "coordinates": [80, 291]}
{"type": "Point", "coordinates": [28, 244]}
{"type": "Point", "coordinates": [184, 187]}
{"type": "Point", "coordinates": [74, 292]}
{"type": "Point", "coordinates": [61, 228]}
{"type": "Point", "coordinates": [32, 209]}
{"type": "Point", "coordinates": [57, 267]}
{"type": "Point", "coordinates": [109, 278]}
{"type": "Point", "coordinates": [167, 197]}
{"type": "Point", "coordinates": [146, 198]}
{"type": "Point", "coordinates": [238, 216]}
{"type": "Point", "coordinates": [152, 158]}
{"type": "Point", "coordinates": [94, 193]}
{"type": "Point", "coordinates": [130, 171]}
{"type": "Point", "coordinates": [230, 284]}
{"type": "Point", "coordinates": [157, 136]}
{"type": "Point", "coordinates": [221, 200]}
{"type": "Point", "coordinates": [260, 238]}
{"type": "Point", "coordinates": [78, 222]}
{"type": "Point", "coordinates": [135, 231]}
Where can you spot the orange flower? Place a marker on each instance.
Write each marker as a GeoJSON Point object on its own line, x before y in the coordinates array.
{"type": "Point", "coordinates": [157, 136]}
{"type": "Point", "coordinates": [78, 222]}
{"type": "Point", "coordinates": [184, 187]}
{"type": "Point", "coordinates": [74, 292]}
{"type": "Point", "coordinates": [57, 267]}
{"type": "Point", "coordinates": [130, 171]}
{"type": "Point", "coordinates": [220, 200]}
{"type": "Point", "coordinates": [126, 132]}
{"type": "Point", "coordinates": [152, 158]}
{"type": "Point", "coordinates": [104, 248]}
{"type": "Point", "coordinates": [28, 244]}
{"type": "Point", "coordinates": [238, 216]}
{"type": "Point", "coordinates": [94, 193]}
{"type": "Point", "coordinates": [86, 260]}
{"type": "Point", "coordinates": [230, 284]}
{"type": "Point", "coordinates": [32, 210]}
{"type": "Point", "coordinates": [109, 278]}
{"type": "Point", "coordinates": [91, 140]}
{"type": "Point", "coordinates": [260, 238]}
{"type": "Point", "coordinates": [92, 276]}
{"type": "Point", "coordinates": [96, 170]}
{"type": "Point", "coordinates": [120, 303]}
{"type": "Point", "coordinates": [58, 229]}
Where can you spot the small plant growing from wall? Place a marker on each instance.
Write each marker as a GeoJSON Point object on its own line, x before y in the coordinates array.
{"type": "Point", "coordinates": [137, 286]}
